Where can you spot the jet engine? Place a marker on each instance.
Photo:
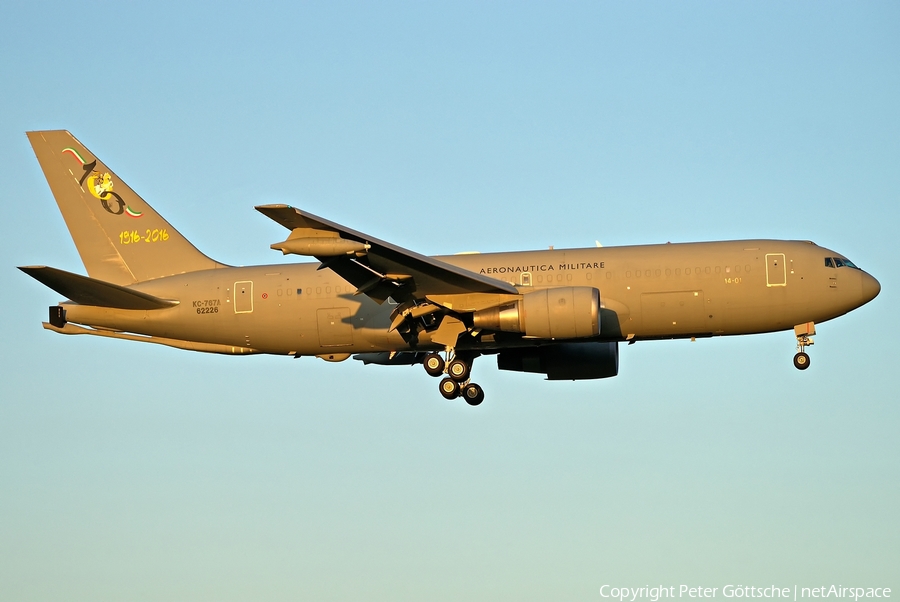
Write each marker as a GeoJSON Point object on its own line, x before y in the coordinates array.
{"type": "Point", "coordinates": [569, 312]}
{"type": "Point", "coordinates": [564, 361]}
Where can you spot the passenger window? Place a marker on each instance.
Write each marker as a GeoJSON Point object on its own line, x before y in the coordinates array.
{"type": "Point", "coordinates": [526, 279]}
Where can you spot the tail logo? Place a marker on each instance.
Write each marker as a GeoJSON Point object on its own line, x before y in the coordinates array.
{"type": "Point", "coordinates": [101, 186]}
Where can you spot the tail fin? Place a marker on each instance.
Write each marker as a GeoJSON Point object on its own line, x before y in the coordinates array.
{"type": "Point", "coordinates": [120, 238]}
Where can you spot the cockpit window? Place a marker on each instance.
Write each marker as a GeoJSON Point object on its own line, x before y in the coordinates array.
{"type": "Point", "coordinates": [839, 262]}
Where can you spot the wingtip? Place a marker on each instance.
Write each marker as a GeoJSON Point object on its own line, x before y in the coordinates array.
{"type": "Point", "coordinates": [263, 208]}
{"type": "Point", "coordinates": [31, 268]}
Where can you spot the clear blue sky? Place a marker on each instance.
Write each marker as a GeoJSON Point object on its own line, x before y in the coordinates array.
{"type": "Point", "coordinates": [145, 473]}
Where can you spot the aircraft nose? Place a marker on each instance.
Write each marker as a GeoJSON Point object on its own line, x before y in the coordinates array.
{"type": "Point", "coordinates": [870, 288]}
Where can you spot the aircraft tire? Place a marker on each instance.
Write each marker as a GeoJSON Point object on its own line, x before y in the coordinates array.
{"type": "Point", "coordinates": [434, 364]}
{"type": "Point", "coordinates": [459, 370]}
{"type": "Point", "coordinates": [449, 388]}
{"type": "Point", "coordinates": [473, 394]}
{"type": "Point", "coordinates": [801, 361]}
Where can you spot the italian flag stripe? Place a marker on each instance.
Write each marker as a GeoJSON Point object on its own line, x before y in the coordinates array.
{"type": "Point", "coordinates": [75, 154]}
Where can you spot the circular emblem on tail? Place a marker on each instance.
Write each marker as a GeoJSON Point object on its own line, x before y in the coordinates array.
{"type": "Point", "coordinates": [101, 186]}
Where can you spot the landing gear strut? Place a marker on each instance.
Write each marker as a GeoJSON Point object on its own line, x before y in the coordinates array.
{"type": "Point", "coordinates": [804, 334]}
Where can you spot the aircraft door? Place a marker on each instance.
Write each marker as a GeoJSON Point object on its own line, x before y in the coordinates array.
{"type": "Point", "coordinates": [775, 270]}
{"type": "Point", "coordinates": [243, 297]}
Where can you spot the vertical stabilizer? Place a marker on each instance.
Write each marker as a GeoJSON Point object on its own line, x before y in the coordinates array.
{"type": "Point", "coordinates": [120, 238]}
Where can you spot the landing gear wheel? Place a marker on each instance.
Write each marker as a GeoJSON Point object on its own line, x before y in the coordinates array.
{"type": "Point", "coordinates": [473, 394]}
{"type": "Point", "coordinates": [449, 388]}
{"type": "Point", "coordinates": [801, 361]}
{"type": "Point", "coordinates": [434, 364]}
{"type": "Point", "coordinates": [458, 370]}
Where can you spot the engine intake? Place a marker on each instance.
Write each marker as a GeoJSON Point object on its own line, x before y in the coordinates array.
{"type": "Point", "coordinates": [570, 312]}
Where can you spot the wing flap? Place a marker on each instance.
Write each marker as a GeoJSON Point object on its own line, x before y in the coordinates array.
{"type": "Point", "coordinates": [90, 291]}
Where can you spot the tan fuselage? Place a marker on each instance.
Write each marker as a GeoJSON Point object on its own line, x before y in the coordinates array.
{"type": "Point", "coordinates": [646, 292]}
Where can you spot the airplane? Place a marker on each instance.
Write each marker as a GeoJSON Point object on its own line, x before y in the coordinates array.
{"type": "Point", "coordinates": [557, 312]}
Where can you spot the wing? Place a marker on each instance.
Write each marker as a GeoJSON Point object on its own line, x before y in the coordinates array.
{"type": "Point", "coordinates": [376, 268]}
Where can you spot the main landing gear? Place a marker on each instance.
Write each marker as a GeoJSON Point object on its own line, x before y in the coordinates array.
{"type": "Point", "coordinates": [457, 382]}
{"type": "Point", "coordinates": [434, 364]}
{"type": "Point", "coordinates": [804, 334]}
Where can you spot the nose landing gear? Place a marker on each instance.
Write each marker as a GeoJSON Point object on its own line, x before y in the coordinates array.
{"type": "Point", "coordinates": [801, 361]}
{"type": "Point", "coordinates": [804, 334]}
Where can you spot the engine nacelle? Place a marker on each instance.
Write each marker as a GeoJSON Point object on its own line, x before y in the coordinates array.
{"type": "Point", "coordinates": [569, 312]}
{"type": "Point", "coordinates": [564, 361]}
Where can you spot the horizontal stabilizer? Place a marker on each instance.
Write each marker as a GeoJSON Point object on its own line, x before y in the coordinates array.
{"type": "Point", "coordinates": [90, 291]}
